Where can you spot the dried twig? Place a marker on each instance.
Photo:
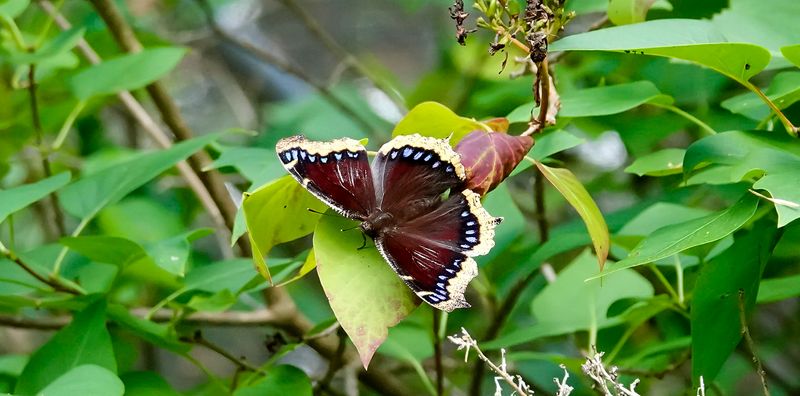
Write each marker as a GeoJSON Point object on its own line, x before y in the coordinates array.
{"type": "Point", "coordinates": [466, 342]}
{"type": "Point", "coordinates": [603, 378]}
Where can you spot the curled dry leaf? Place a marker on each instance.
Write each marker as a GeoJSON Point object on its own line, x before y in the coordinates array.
{"type": "Point", "coordinates": [489, 157]}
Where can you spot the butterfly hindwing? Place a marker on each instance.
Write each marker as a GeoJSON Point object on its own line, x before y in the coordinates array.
{"type": "Point", "coordinates": [432, 252]}
{"type": "Point", "coordinates": [337, 172]}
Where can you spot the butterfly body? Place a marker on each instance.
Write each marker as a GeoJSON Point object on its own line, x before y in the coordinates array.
{"type": "Point", "coordinates": [426, 235]}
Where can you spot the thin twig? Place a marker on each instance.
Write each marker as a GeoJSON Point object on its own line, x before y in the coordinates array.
{"type": "Point", "coordinates": [241, 363]}
{"type": "Point", "coordinates": [340, 52]}
{"type": "Point", "coordinates": [44, 152]}
{"type": "Point", "coordinates": [335, 363]}
{"type": "Point", "coordinates": [155, 132]}
{"type": "Point", "coordinates": [543, 78]}
{"type": "Point", "coordinates": [53, 283]}
{"type": "Point", "coordinates": [437, 356]}
{"type": "Point", "coordinates": [751, 345]}
{"type": "Point", "coordinates": [287, 67]}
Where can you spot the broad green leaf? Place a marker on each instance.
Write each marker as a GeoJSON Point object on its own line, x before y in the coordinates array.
{"type": "Point", "coordinates": [660, 163]}
{"type": "Point", "coordinates": [777, 289]}
{"type": "Point", "coordinates": [600, 101]}
{"type": "Point", "coordinates": [146, 383]}
{"type": "Point", "coordinates": [85, 197]}
{"type": "Point", "coordinates": [733, 147]}
{"type": "Point", "coordinates": [436, 120]}
{"type": "Point", "coordinates": [126, 72]}
{"type": "Point", "coordinates": [172, 254]}
{"type": "Point", "coordinates": [784, 91]}
{"type": "Point", "coordinates": [13, 8]}
{"type": "Point", "coordinates": [676, 238]}
{"type": "Point", "coordinates": [19, 197]}
{"type": "Point", "coordinates": [691, 40]}
{"type": "Point", "coordinates": [216, 302]}
{"type": "Point", "coordinates": [573, 191]}
{"type": "Point", "coordinates": [792, 54]}
{"type": "Point", "coordinates": [278, 212]}
{"type": "Point", "coordinates": [624, 12]}
{"type": "Point", "coordinates": [281, 380]}
{"type": "Point", "coordinates": [571, 304]}
{"type": "Point", "coordinates": [366, 296]}
{"type": "Point", "coordinates": [86, 380]}
{"type": "Point", "coordinates": [84, 341]}
{"type": "Point", "coordinates": [257, 165]}
{"type": "Point", "coordinates": [58, 45]}
{"type": "Point", "coordinates": [410, 343]}
{"type": "Point", "coordinates": [547, 145]}
{"type": "Point", "coordinates": [233, 275]}
{"type": "Point", "coordinates": [12, 365]}
{"type": "Point", "coordinates": [129, 256]}
{"type": "Point", "coordinates": [308, 265]}
{"type": "Point", "coordinates": [659, 215]}
{"type": "Point", "coordinates": [716, 328]}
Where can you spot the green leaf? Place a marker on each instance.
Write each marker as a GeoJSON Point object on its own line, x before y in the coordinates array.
{"type": "Point", "coordinates": [85, 197]}
{"type": "Point", "coordinates": [146, 383]}
{"type": "Point", "coordinates": [234, 275]}
{"type": "Point", "coordinates": [600, 101]}
{"type": "Point", "coordinates": [138, 69]}
{"type": "Point", "coordinates": [160, 335]}
{"type": "Point", "coordinates": [660, 163]}
{"type": "Point", "coordinates": [785, 193]}
{"type": "Point", "coordinates": [84, 341]}
{"type": "Point", "coordinates": [784, 91]}
{"type": "Point", "coordinates": [60, 44]}
{"type": "Point", "coordinates": [366, 296]}
{"type": "Point", "coordinates": [573, 191]}
{"type": "Point", "coordinates": [676, 238]}
{"type": "Point", "coordinates": [257, 165]}
{"type": "Point", "coordinates": [571, 304]}
{"type": "Point", "coordinates": [624, 12]}
{"type": "Point", "coordinates": [13, 8]}
{"type": "Point", "coordinates": [792, 54]}
{"type": "Point", "coordinates": [20, 197]}
{"type": "Point", "coordinates": [716, 327]}
{"type": "Point", "coordinates": [733, 147]}
{"type": "Point", "coordinates": [12, 365]}
{"type": "Point", "coordinates": [278, 212]}
{"type": "Point", "coordinates": [172, 254]}
{"type": "Point", "coordinates": [691, 40]}
{"type": "Point", "coordinates": [281, 380]}
{"type": "Point", "coordinates": [777, 289]}
{"type": "Point", "coordinates": [86, 380]}
{"type": "Point", "coordinates": [216, 302]}
{"type": "Point", "coordinates": [547, 145]}
{"type": "Point", "coordinates": [436, 120]}
{"type": "Point", "coordinates": [410, 343]}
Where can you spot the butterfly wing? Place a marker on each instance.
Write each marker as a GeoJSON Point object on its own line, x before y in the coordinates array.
{"type": "Point", "coordinates": [337, 172]}
{"type": "Point", "coordinates": [411, 173]}
{"type": "Point", "coordinates": [433, 252]}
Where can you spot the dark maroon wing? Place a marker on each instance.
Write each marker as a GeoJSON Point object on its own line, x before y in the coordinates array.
{"type": "Point", "coordinates": [337, 172]}
{"type": "Point", "coordinates": [412, 172]}
{"type": "Point", "coordinates": [432, 253]}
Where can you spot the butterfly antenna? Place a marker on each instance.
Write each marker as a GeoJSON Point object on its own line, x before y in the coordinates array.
{"type": "Point", "coordinates": [322, 213]}
{"type": "Point", "coordinates": [349, 229]}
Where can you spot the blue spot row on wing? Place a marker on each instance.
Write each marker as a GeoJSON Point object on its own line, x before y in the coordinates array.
{"type": "Point", "coordinates": [412, 153]}
{"type": "Point", "coordinates": [440, 293]}
{"type": "Point", "coordinates": [470, 235]}
{"type": "Point", "coordinates": [296, 154]}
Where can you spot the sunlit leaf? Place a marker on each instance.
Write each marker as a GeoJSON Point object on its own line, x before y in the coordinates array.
{"type": "Point", "coordinates": [784, 91]}
{"type": "Point", "coordinates": [278, 212]}
{"type": "Point", "coordinates": [19, 197]}
{"type": "Point", "coordinates": [436, 120]}
{"type": "Point", "coordinates": [86, 380]}
{"type": "Point", "coordinates": [138, 69]}
{"type": "Point", "coordinates": [624, 12]}
{"type": "Point", "coordinates": [696, 41]}
{"type": "Point", "coordinates": [573, 191]}
{"type": "Point", "coordinates": [777, 289]}
{"type": "Point", "coordinates": [792, 54]}
{"type": "Point", "coordinates": [366, 296]}
{"type": "Point", "coordinates": [13, 8]}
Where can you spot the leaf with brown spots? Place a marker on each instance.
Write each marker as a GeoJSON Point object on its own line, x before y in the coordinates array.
{"type": "Point", "coordinates": [489, 157]}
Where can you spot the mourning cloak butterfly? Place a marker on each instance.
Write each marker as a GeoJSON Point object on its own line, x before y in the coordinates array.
{"type": "Point", "coordinates": [428, 239]}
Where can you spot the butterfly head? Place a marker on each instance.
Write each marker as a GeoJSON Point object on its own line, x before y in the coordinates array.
{"type": "Point", "coordinates": [376, 222]}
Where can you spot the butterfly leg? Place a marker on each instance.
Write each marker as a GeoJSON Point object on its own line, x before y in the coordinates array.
{"type": "Point", "coordinates": [363, 241]}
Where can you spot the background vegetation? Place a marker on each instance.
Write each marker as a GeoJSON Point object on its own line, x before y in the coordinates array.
{"type": "Point", "coordinates": [129, 132]}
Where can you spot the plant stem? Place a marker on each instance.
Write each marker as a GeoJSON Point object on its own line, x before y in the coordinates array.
{"type": "Point", "coordinates": [543, 79]}
{"type": "Point", "coordinates": [437, 349]}
{"type": "Point", "coordinates": [65, 128]}
{"type": "Point", "coordinates": [750, 344]}
{"type": "Point", "coordinates": [37, 127]}
{"type": "Point", "coordinates": [790, 128]}
{"type": "Point", "coordinates": [661, 278]}
{"type": "Point", "coordinates": [679, 280]}
{"type": "Point", "coordinates": [54, 283]}
{"type": "Point", "coordinates": [703, 126]}
{"type": "Point", "coordinates": [239, 362]}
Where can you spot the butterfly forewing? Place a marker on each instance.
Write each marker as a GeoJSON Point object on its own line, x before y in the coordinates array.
{"type": "Point", "coordinates": [337, 172]}
{"type": "Point", "coordinates": [411, 173]}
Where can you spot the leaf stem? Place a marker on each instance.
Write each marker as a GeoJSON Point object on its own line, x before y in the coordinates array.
{"type": "Point", "coordinates": [16, 35]}
{"type": "Point", "coordinates": [703, 126]}
{"type": "Point", "coordinates": [65, 128]}
{"type": "Point", "coordinates": [52, 282]}
{"type": "Point", "coordinates": [790, 128]}
{"type": "Point", "coordinates": [665, 283]}
{"type": "Point", "coordinates": [679, 280]}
